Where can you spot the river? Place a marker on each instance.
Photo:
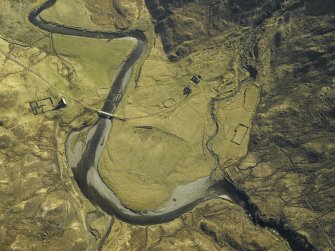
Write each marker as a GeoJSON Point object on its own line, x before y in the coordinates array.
{"type": "Point", "coordinates": [84, 164]}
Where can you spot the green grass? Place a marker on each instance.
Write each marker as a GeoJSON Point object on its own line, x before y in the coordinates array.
{"type": "Point", "coordinates": [95, 63]}
{"type": "Point", "coordinates": [72, 13]}
{"type": "Point", "coordinates": [100, 59]}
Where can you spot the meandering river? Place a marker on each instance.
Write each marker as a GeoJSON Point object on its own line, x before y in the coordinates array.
{"type": "Point", "coordinates": [84, 162]}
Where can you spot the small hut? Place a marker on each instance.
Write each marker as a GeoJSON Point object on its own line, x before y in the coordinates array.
{"type": "Point", "coordinates": [196, 79]}
{"type": "Point", "coordinates": [61, 104]}
{"type": "Point", "coordinates": [187, 91]}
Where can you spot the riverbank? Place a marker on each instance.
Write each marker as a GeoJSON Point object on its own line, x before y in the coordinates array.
{"type": "Point", "coordinates": [85, 170]}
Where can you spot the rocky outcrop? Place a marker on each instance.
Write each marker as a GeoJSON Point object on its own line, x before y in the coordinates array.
{"type": "Point", "coordinates": [288, 46]}
{"type": "Point", "coordinates": [292, 132]}
{"type": "Point", "coordinates": [184, 24]}
{"type": "Point", "coordinates": [321, 7]}
{"type": "Point", "coordinates": [214, 225]}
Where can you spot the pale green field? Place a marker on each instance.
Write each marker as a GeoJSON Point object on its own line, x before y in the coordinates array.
{"type": "Point", "coordinates": [99, 14]}
{"type": "Point", "coordinates": [73, 13]}
{"type": "Point", "coordinates": [85, 67]}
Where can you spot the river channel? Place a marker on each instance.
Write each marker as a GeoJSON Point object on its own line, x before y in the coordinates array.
{"type": "Point", "coordinates": [84, 162]}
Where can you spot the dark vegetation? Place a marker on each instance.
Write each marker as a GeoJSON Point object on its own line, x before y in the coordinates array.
{"type": "Point", "coordinates": [183, 24]}
{"type": "Point", "coordinates": [294, 139]}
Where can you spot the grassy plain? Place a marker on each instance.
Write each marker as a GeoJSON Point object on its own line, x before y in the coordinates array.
{"type": "Point", "coordinates": [161, 144]}
{"type": "Point", "coordinates": [85, 67]}
{"type": "Point", "coordinates": [164, 142]}
{"type": "Point", "coordinates": [235, 117]}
